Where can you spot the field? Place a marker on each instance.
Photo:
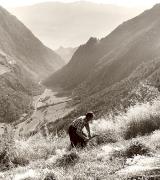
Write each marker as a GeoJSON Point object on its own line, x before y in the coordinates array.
{"type": "Point", "coordinates": [47, 108]}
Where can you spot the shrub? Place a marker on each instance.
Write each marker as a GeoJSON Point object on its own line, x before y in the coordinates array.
{"type": "Point", "coordinates": [136, 148]}
{"type": "Point", "coordinates": [104, 137]}
{"type": "Point", "coordinates": [9, 158]}
{"type": "Point", "coordinates": [68, 160]}
{"type": "Point", "coordinates": [139, 120]}
{"type": "Point", "coordinates": [10, 155]}
{"type": "Point", "coordinates": [5, 162]}
{"type": "Point", "coordinates": [142, 126]}
{"type": "Point", "coordinates": [133, 149]}
{"type": "Point", "coordinates": [108, 137]}
{"type": "Point", "coordinates": [19, 161]}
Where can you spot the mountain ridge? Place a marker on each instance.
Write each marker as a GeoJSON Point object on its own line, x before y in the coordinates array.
{"type": "Point", "coordinates": [26, 49]}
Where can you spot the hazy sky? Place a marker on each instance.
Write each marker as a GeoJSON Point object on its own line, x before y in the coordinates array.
{"type": "Point", "coordinates": [128, 3]}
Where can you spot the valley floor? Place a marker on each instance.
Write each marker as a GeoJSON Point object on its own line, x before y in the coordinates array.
{"type": "Point", "coordinates": [47, 108]}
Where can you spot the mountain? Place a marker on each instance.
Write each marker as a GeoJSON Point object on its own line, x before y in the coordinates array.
{"type": "Point", "coordinates": [66, 53]}
{"type": "Point", "coordinates": [23, 61]}
{"type": "Point", "coordinates": [16, 89]}
{"type": "Point", "coordinates": [71, 24]}
{"type": "Point", "coordinates": [18, 42]}
{"type": "Point", "coordinates": [103, 72]}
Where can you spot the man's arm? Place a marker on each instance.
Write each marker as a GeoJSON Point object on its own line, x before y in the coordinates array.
{"type": "Point", "coordinates": [88, 130]}
{"type": "Point", "coordinates": [80, 133]}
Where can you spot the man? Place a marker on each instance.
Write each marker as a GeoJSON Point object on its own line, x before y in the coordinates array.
{"type": "Point", "coordinates": [77, 137]}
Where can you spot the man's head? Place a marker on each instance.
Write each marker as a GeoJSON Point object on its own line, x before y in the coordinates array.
{"type": "Point", "coordinates": [89, 116]}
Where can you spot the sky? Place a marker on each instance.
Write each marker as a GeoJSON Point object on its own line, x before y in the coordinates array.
{"type": "Point", "coordinates": [128, 3]}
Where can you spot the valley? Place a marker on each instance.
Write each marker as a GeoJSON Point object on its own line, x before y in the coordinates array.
{"type": "Point", "coordinates": [47, 108]}
{"type": "Point", "coordinates": [42, 91]}
{"type": "Point", "coordinates": [24, 61]}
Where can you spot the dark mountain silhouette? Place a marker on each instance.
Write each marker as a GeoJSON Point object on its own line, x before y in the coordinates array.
{"type": "Point", "coordinates": [71, 24]}
{"type": "Point", "coordinates": [106, 68]}
{"type": "Point", "coordinates": [18, 42]}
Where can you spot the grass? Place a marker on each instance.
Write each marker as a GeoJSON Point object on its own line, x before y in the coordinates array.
{"type": "Point", "coordinates": [120, 137]}
{"type": "Point", "coordinates": [142, 127]}
{"type": "Point", "coordinates": [49, 155]}
{"type": "Point", "coordinates": [67, 160]}
{"type": "Point", "coordinates": [90, 163]}
{"type": "Point", "coordinates": [139, 120]}
{"type": "Point", "coordinates": [133, 148]}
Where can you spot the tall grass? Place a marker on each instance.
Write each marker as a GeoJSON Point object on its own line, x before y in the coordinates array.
{"type": "Point", "coordinates": [140, 120]}
{"type": "Point", "coordinates": [48, 155]}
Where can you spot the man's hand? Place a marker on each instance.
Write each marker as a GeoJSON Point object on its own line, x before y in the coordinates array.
{"type": "Point", "coordinates": [86, 139]}
{"type": "Point", "coordinates": [89, 136]}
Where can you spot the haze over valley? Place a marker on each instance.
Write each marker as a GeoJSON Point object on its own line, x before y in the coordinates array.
{"type": "Point", "coordinates": [72, 24]}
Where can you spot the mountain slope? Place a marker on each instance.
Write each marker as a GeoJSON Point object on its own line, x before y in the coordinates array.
{"type": "Point", "coordinates": [16, 90]}
{"type": "Point", "coordinates": [78, 68]}
{"type": "Point", "coordinates": [23, 60]}
{"type": "Point", "coordinates": [19, 43]}
{"type": "Point", "coordinates": [101, 63]}
{"type": "Point", "coordinates": [104, 74]}
{"type": "Point", "coordinates": [84, 19]}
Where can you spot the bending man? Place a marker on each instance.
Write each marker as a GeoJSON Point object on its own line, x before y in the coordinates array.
{"type": "Point", "coordinates": [77, 137]}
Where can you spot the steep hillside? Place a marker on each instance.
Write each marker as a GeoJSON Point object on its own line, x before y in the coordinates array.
{"type": "Point", "coordinates": [71, 24]}
{"type": "Point", "coordinates": [19, 43]}
{"type": "Point", "coordinates": [66, 53]}
{"type": "Point", "coordinates": [106, 75]}
{"type": "Point", "coordinates": [79, 68]}
{"type": "Point", "coordinates": [113, 154]}
{"type": "Point", "coordinates": [23, 59]}
{"type": "Point", "coordinates": [16, 90]}
{"type": "Point", "coordinates": [102, 63]}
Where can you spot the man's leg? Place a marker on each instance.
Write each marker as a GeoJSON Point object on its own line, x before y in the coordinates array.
{"type": "Point", "coordinates": [72, 135]}
{"type": "Point", "coordinates": [81, 142]}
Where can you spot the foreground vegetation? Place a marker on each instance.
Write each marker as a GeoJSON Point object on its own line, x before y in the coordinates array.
{"type": "Point", "coordinates": [121, 139]}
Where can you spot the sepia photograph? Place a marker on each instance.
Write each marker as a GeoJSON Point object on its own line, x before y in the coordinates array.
{"type": "Point", "coordinates": [79, 89]}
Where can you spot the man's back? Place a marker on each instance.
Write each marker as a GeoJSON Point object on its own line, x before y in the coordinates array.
{"type": "Point", "coordinates": [79, 123]}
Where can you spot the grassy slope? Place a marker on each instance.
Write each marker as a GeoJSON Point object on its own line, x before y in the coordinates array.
{"type": "Point", "coordinates": [104, 72]}
{"type": "Point", "coordinates": [136, 88]}
{"type": "Point", "coordinates": [106, 157]}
